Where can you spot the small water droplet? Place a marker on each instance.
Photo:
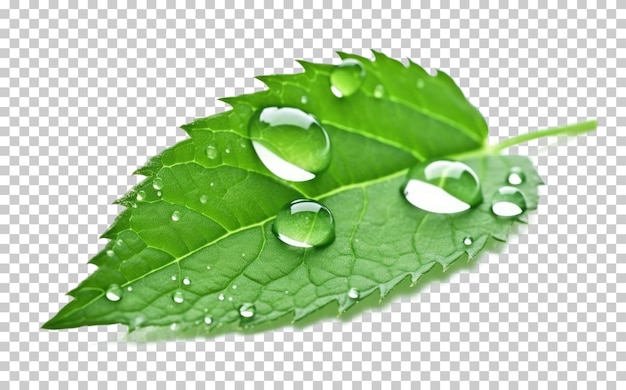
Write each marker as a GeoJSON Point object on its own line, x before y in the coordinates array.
{"type": "Point", "coordinates": [443, 187]}
{"type": "Point", "coordinates": [247, 310]}
{"type": "Point", "coordinates": [208, 267]}
{"type": "Point", "coordinates": [243, 144]}
{"type": "Point", "coordinates": [159, 193]}
{"type": "Point", "coordinates": [304, 223]}
{"type": "Point", "coordinates": [178, 297]}
{"type": "Point", "coordinates": [230, 299]}
{"type": "Point", "coordinates": [420, 83]}
{"type": "Point", "coordinates": [286, 291]}
{"type": "Point", "coordinates": [353, 293]}
{"type": "Point", "coordinates": [129, 288]}
{"type": "Point", "coordinates": [186, 281]}
{"type": "Point", "coordinates": [508, 202]}
{"type": "Point", "coordinates": [114, 293]}
{"type": "Point", "coordinates": [347, 78]}
{"type": "Point", "coordinates": [157, 183]}
{"type": "Point", "coordinates": [221, 297]}
{"type": "Point", "coordinates": [141, 195]}
{"type": "Point", "coordinates": [212, 184]}
{"type": "Point", "coordinates": [174, 326]}
{"type": "Point", "coordinates": [134, 205]}
{"type": "Point", "coordinates": [120, 242]}
{"type": "Point", "coordinates": [516, 176]}
{"type": "Point", "coordinates": [227, 150]}
{"type": "Point", "coordinates": [379, 91]}
{"type": "Point", "coordinates": [203, 199]}
{"type": "Point", "coordinates": [468, 241]}
{"type": "Point", "coordinates": [173, 277]}
{"type": "Point", "coordinates": [304, 99]}
{"type": "Point", "coordinates": [110, 253]}
{"type": "Point", "coordinates": [212, 152]}
{"type": "Point", "coordinates": [234, 287]}
{"type": "Point", "coordinates": [176, 216]}
{"type": "Point", "coordinates": [138, 321]}
{"type": "Point", "coordinates": [292, 144]}
{"type": "Point", "coordinates": [208, 320]}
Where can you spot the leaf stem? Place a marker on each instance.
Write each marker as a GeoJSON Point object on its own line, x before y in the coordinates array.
{"type": "Point", "coordinates": [578, 128]}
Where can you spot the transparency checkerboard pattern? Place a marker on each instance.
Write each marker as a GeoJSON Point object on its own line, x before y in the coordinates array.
{"type": "Point", "coordinates": [89, 94]}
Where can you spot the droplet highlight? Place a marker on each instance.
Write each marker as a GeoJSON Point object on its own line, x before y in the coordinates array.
{"type": "Point", "coordinates": [141, 195]}
{"type": "Point", "coordinates": [114, 293]}
{"type": "Point", "coordinates": [379, 91]}
{"type": "Point", "coordinates": [347, 78]}
{"type": "Point", "coordinates": [203, 199]}
{"type": "Point", "coordinates": [508, 202]}
{"type": "Point", "coordinates": [178, 297]}
{"type": "Point", "coordinates": [292, 144]}
{"type": "Point", "coordinates": [176, 216]}
{"type": "Point", "coordinates": [208, 320]}
{"type": "Point", "coordinates": [211, 152]}
{"type": "Point", "coordinates": [443, 187]}
{"type": "Point", "coordinates": [516, 176]}
{"type": "Point", "coordinates": [186, 281]}
{"type": "Point", "coordinates": [304, 223]}
{"type": "Point", "coordinates": [157, 183]}
{"type": "Point", "coordinates": [353, 293]}
{"type": "Point", "coordinates": [247, 310]}
{"type": "Point", "coordinates": [467, 241]}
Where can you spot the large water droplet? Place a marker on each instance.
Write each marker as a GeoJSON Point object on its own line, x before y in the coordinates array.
{"type": "Point", "coordinates": [247, 310]}
{"type": "Point", "coordinates": [157, 184]}
{"type": "Point", "coordinates": [304, 223]}
{"type": "Point", "coordinates": [353, 293]}
{"type": "Point", "coordinates": [178, 297]}
{"type": "Point", "coordinates": [508, 202]}
{"type": "Point", "coordinates": [516, 176]}
{"type": "Point", "coordinates": [114, 293]}
{"type": "Point", "coordinates": [176, 216]}
{"type": "Point", "coordinates": [443, 187]}
{"type": "Point", "coordinates": [292, 144]}
{"type": "Point", "coordinates": [212, 152]}
{"type": "Point", "coordinates": [347, 78]}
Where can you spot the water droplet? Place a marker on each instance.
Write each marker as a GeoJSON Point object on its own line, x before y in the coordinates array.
{"type": "Point", "coordinates": [173, 277]}
{"type": "Point", "coordinates": [178, 297]}
{"type": "Point", "coordinates": [212, 184]}
{"type": "Point", "coordinates": [420, 83]}
{"type": "Point", "coordinates": [208, 320]}
{"type": "Point", "coordinates": [120, 242]}
{"type": "Point", "coordinates": [174, 326]}
{"type": "Point", "coordinates": [221, 297]}
{"type": "Point", "coordinates": [159, 193]}
{"type": "Point", "coordinates": [247, 310]}
{"type": "Point", "coordinates": [243, 144]}
{"type": "Point", "coordinates": [186, 281]}
{"type": "Point", "coordinates": [347, 78]}
{"type": "Point", "coordinates": [208, 267]}
{"type": "Point", "coordinates": [468, 241]}
{"type": "Point", "coordinates": [227, 150]}
{"type": "Point", "coordinates": [516, 176]}
{"type": "Point", "coordinates": [114, 293]}
{"type": "Point", "coordinates": [203, 199]}
{"type": "Point", "coordinates": [379, 91]}
{"type": "Point", "coordinates": [508, 202]}
{"type": "Point", "coordinates": [286, 291]}
{"type": "Point", "coordinates": [230, 299]}
{"type": "Point", "coordinates": [138, 321]}
{"type": "Point", "coordinates": [110, 253]}
{"type": "Point", "coordinates": [157, 183]}
{"type": "Point", "coordinates": [353, 293]}
{"type": "Point", "coordinates": [129, 288]}
{"type": "Point", "coordinates": [304, 223]}
{"type": "Point", "coordinates": [176, 216]}
{"type": "Point", "coordinates": [292, 144]}
{"type": "Point", "coordinates": [212, 152]}
{"type": "Point", "coordinates": [234, 287]}
{"type": "Point", "coordinates": [443, 187]}
{"type": "Point", "coordinates": [141, 195]}
{"type": "Point", "coordinates": [134, 205]}
{"type": "Point", "coordinates": [304, 99]}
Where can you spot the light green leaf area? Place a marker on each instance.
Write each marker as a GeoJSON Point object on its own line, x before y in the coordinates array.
{"type": "Point", "coordinates": [194, 249]}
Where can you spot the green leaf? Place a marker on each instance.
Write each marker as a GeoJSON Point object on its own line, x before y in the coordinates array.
{"type": "Point", "coordinates": [194, 249]}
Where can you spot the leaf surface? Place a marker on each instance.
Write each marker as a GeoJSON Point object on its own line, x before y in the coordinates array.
{"type": "Point", "coordinates": [194, 248]}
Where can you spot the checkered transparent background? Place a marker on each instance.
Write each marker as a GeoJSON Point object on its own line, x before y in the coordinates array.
{"type": "Point", "coordinates": [88, 94]}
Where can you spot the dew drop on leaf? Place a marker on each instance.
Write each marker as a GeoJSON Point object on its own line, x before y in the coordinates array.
{"type": "Point", "coordinates": [186, 281]}
{"type": "Point", "coordinates": [157, 183]}
{"type": "Point", "coordinates": [467, 241]}
{"type": "Point", "coordinates": [221, 297]}
{"type": "Point", "coordinates": [173, 277]}
{"type": "Point", "coordinates": [443, 187]}
{"type": "Point", "coordinates": [203, 199]}
{"type": "Point", "coordinates": [159, 193]}
{"type": "Point", "coordinates": [174, 326]}
{"type": "Point", "coordinates": [304, 223]}
{"type": "Point", "coordinates": [353, 293]}
{"type": "Point", "coordinates": [208, 320]}
{"type": "Point", "coordinates": [110, 253]}
{"type": "Point", "coordinates": [212, 152]}
{"type": "Point", "coordinates": [178, 297]}
{"type": "Point", "coordinates": [129, 288]}
{"type": "Point", "coordinates": [508, 202]}
{"type": "Point", "coordinates": [247, 310]}
{"type": "Point", "coordinates": [347, 78]}
{"type": "Point", "coordinates": [114, 293]}
{"type": "Point", "coordinates": [141, 195]}
{"type": "Point", "coordinates": [516, 176]}
{"type": "Point", "coordinates": [379, 91]}
{"type": "Point", "coordinates": [304, 99]}
{"type": "Point", "coordinates": [292, 144]}
{"type": "Point", "coordinates": [176, 216]}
